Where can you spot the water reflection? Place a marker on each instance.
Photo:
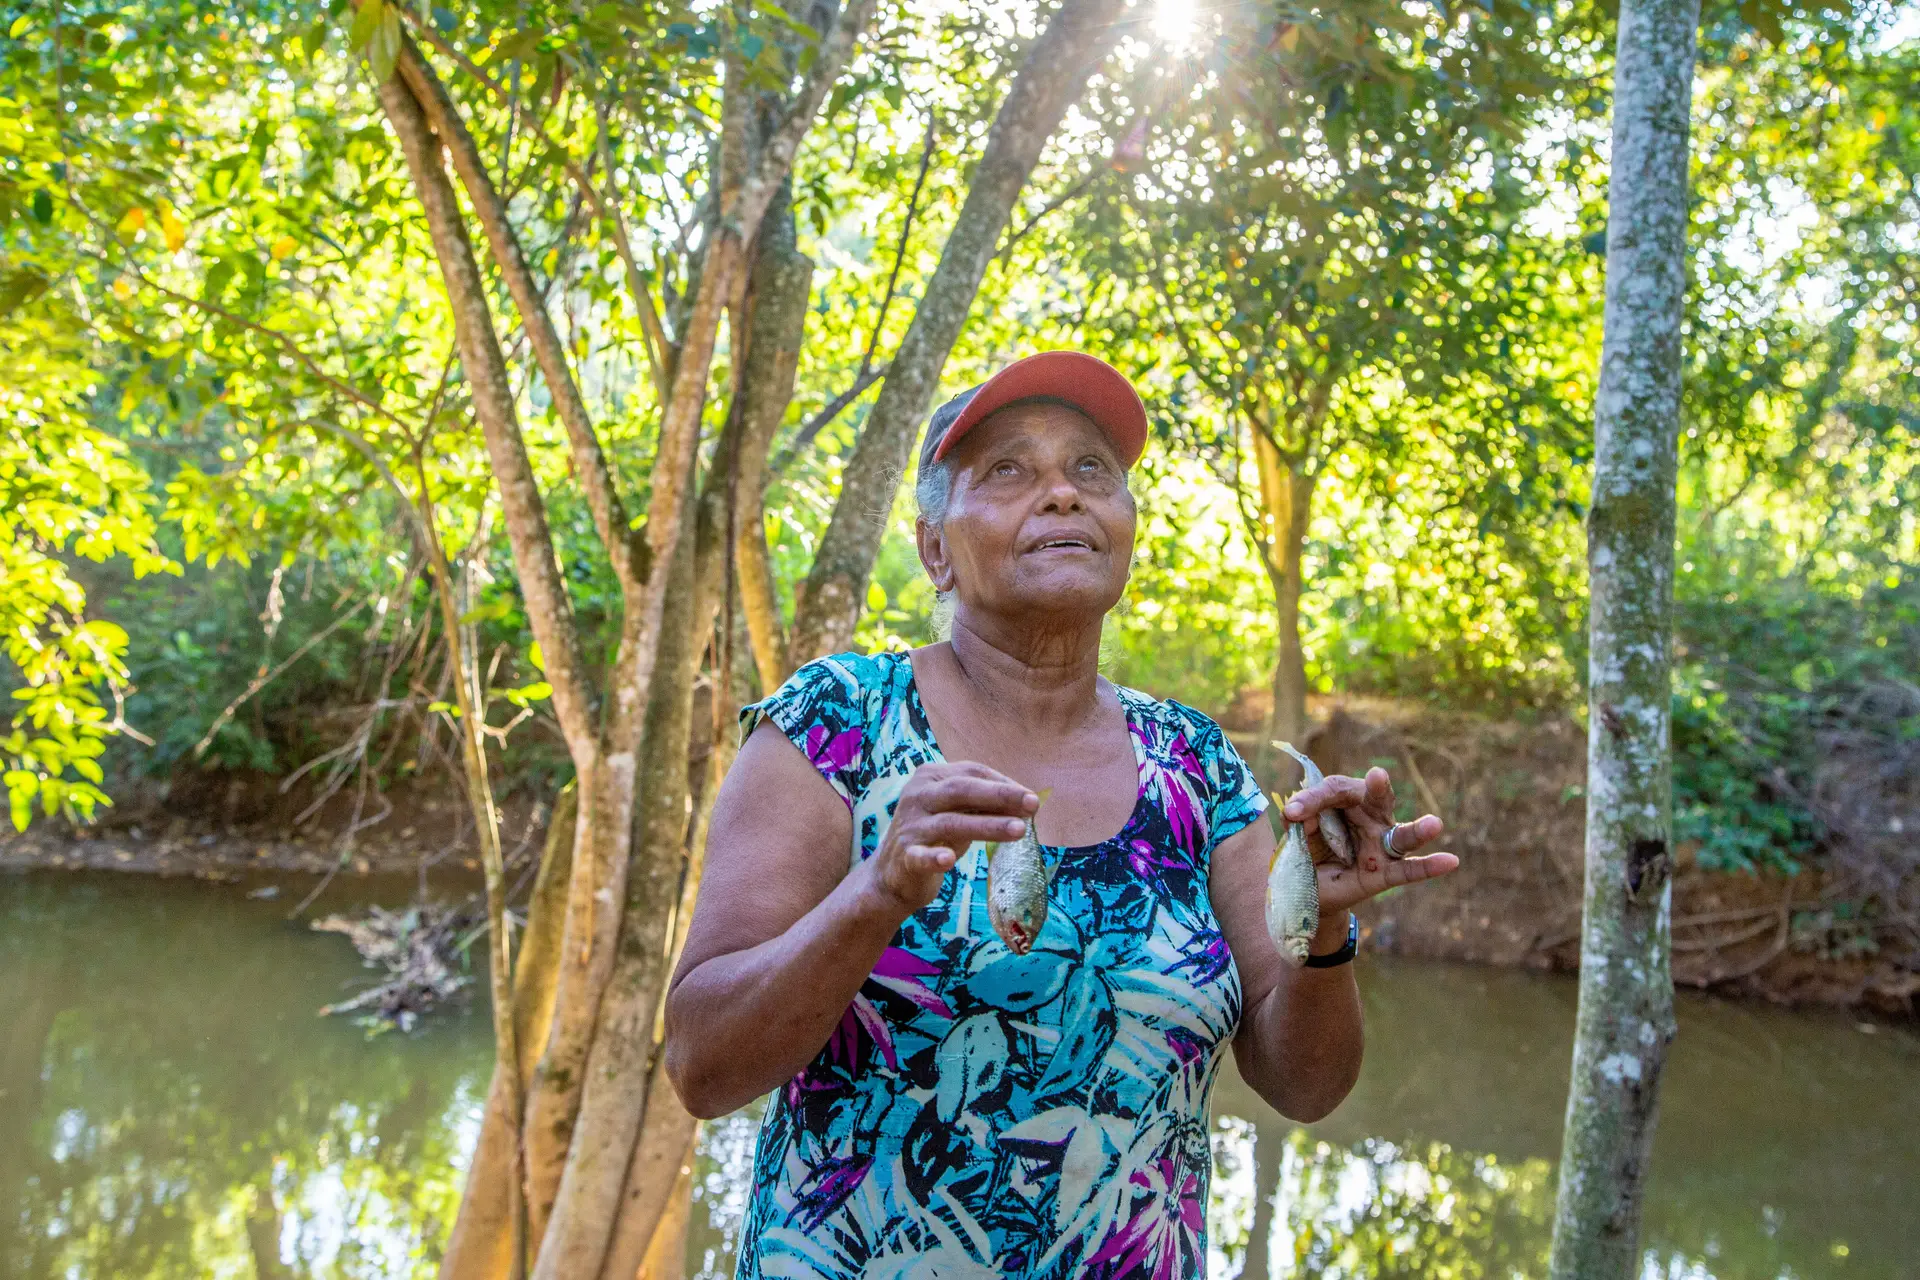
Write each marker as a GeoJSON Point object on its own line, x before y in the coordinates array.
{"type": "Point", "coordinates": [170, 1106]}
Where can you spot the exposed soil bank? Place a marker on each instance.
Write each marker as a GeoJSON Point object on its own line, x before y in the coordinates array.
{"type": "Point", "coordinates": [1510, 793]}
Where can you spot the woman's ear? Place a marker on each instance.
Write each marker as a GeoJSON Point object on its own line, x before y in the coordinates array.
{"type": "Point", "coordinates": [931, 540]}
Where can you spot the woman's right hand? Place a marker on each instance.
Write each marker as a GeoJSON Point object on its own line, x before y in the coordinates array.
{"type": "Point", "coordinates": [944, 807]}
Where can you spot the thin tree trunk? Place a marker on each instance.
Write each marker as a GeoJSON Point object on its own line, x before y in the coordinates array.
{"type": "Point", "coordinates": [1269, 1153]}
{"type": "Point", "coordinates": [481, 1245]}
{"type": "Point", "coordinates": [666, 1257]}
{"type": "Point", "coordinates": [782, 284]}
{"type": "Point", "coordinates": [653, 1180]}
{"type": "Point", "coordinates": [538, 963]}
{"type": "Point", "coordinates": [1286, 508]}
{"type": "Point", "coordinates": [1625, 1020]}
{"type": "Point", "coordinates": [1051, 78]}
{"type": "Point", "coordinates": [263, 1232]}
{"type": "Point", "coordinates": [590, 469]}
{"type": "Point", "coordinates": [613, 1099]}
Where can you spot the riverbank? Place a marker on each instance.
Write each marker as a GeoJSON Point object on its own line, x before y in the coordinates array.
{"type": "Point", "coordinates": [1511, 794]}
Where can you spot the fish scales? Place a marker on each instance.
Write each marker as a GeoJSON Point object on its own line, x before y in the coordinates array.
{"type": "Point", "coordinates": [1293, 896]}
{"type": "Point", "coordinates": [1018, 877]}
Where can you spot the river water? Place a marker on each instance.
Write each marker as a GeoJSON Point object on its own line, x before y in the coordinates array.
{"type": "Point", "coordinates": [171, 1106]}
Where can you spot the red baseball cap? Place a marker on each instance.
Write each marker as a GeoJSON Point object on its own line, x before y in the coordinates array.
{"type": "Point", "coordinates": [1086, 382]}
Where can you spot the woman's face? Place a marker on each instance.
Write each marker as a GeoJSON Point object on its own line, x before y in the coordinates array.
{"type": "Point", "coordinates": [1039, 521]}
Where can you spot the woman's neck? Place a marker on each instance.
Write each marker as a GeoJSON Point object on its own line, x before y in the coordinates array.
{"type": "Point", "coordinates": [1049, 680]}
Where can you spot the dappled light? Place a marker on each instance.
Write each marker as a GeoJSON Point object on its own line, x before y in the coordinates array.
{"type": "Point", "coordinates": [436, 440]}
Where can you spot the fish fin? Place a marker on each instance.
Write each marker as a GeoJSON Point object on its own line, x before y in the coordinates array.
{"type": "Point", "coordinates": [1314, 775]}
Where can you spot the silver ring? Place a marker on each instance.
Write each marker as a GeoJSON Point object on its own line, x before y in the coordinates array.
{"type": "Point", "coordinates": [1392, 831]}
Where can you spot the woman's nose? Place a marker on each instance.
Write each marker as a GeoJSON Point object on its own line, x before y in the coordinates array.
{"type": "Point", "coordinates": [1062, 495]}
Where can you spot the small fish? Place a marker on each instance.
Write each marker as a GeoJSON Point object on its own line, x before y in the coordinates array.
{"type": "Point", "coordinates": [1333, 824]}
{"type": "Point", "coordinates": [1018, 876]}
{"type": "Point", "coordinates": [1293, 895]}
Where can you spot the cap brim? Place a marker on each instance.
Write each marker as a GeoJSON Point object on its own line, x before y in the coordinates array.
{"type": "Point", "coordinates": [1098, 389]}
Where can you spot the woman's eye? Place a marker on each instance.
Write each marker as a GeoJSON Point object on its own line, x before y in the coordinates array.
{"type": "Point", "coordinates": [1005, 469]}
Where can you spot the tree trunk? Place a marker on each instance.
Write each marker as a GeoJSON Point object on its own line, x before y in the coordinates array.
{"type": "Point", "coordinates": [1625, 1020]}
{"type": "Point", "coordinates": [1050, 79]}
{"type": "Point", "coordinates": [263, 1232]}
{"type": "Point", "coordinates": [1286, 508]}
{"type": "Point", "coordinates": [1269, 1156]}
{"type": "Point", "coordinates": [781, 285]}
{"type": "Point", "coordinates": [666, 1257]}
{"type": "Point", "coordinates": [613, 1098]}
{"type": "Point", "coordinates": [628, 739]}
{"type": "Point", "coordinates": [481, 1245]}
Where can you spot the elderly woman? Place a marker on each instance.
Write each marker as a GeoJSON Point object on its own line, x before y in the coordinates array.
{"type": "Point", "coordinates": [943, 1106]}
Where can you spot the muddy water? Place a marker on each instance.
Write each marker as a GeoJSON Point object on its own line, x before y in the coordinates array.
{"type": "Point", "coordinates": [171, 1107]}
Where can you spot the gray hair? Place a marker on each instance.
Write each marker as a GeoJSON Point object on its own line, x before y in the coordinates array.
{"type": "Point", "coordinates": [931, 490]}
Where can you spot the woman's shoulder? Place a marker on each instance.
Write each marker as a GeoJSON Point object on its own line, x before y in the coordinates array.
{"type": "Point", "coordinates": [834, 709]}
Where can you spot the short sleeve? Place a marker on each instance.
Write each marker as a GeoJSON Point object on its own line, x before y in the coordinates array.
{"type": "Point", "coordinates": [822, 709]}
{"type": "Point", "coordinates": [1234, 796]}
{"type": "Point", "coordinates": [1231, 796]}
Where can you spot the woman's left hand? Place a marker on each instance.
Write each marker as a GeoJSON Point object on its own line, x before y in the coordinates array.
{"type": "Point", "coordinates": [1367, 804]}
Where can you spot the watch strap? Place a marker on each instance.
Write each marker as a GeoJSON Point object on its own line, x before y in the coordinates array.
{"type": "Point", "coordinates": [1345, 954]}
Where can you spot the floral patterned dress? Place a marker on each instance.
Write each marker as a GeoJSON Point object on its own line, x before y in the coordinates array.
{"type": "Point", "coordinates": [983, 1114]}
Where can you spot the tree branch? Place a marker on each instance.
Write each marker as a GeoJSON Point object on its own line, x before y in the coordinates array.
{"type": "Point", "coordinates": [867, 375]}
{"type": "Point", "coordinates": [589, 460]}
{"type": "Point", "coordinates": [549, 607]}
{"type": "Point", "coordinates": [659, 349]}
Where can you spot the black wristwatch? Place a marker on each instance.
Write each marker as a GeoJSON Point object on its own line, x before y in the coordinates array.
{"type": "Point", "coordinates": [1345, 954]}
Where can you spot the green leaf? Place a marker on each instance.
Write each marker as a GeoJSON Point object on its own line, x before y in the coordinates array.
{"type": "Point", "coordinates": [19, 288]}
{"type": "Point", "coordinates": [534, 656]}
{"type": "Point", "coordinates": [538, 691]}
{"type": "Point", "coordinates": [365, 19]}
{"type": "Point", "coordinates": [383, 51]}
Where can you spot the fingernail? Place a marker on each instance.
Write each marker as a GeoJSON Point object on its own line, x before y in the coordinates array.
{"type": "Point", "coordinates": [1030, 800]}
{"type": "Point", "coordinates": [1015, 828]}
{"type": "Point", "coordinates": [1294, 810]}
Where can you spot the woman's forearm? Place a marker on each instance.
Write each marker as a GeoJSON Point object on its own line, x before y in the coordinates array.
{"type": "Point", "coordinates": [1300, 1047]}
{"type": "Point", "coordinates": [743, 1023]}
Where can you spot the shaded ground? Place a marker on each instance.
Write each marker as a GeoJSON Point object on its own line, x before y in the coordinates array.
{"type": "Point", "coordinates": [1511, 795]}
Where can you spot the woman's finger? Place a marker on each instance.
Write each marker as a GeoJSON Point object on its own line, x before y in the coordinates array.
{"type": "Point", "coordinates": [914, 877]}
{"type": "Point", "coordinates": [1411, 837]}
{"type": "Point", "coordinates": [963, 769]}
{"type": "Point", "coordinates": [1379, 794]}
{"type": "Point", "coordinates": [1334, 792]}
{"type": "Point", "coordinates": [930, 859]}
{"type": "Point", "coordinates": [958, 830]}
{"type": "Point", "coordinates": [970, 793]}
{"type": "Point", "coordinates": [1414, 870]}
